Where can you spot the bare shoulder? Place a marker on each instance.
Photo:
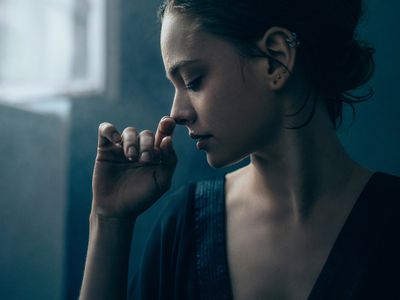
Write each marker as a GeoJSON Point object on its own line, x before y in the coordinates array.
{"type": "Point", "coordinates": [235, 182]}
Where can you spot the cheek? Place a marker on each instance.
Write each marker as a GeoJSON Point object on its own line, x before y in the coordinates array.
{"type": "Point", "coordinates": [249, 125]}
{"type": "Point", "coordinates": [247, 110]}
{"type": "Point", "coordinates": [232, 107]}
{"type": "Point", "coordinates": [243, 118]}
{"type": "Point", "coordinates": [227, 100]}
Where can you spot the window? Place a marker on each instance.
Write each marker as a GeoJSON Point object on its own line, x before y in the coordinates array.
{"type": "Point", "coordinates": [51, 48]}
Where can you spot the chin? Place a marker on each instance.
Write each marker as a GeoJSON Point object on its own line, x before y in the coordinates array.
{"type": "Point", "coordinates": [218, 162]}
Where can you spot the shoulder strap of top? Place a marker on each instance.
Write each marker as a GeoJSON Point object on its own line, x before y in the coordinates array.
{"type": "Point", "coordinates": [210, 229]}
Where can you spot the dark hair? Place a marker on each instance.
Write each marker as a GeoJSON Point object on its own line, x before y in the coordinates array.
{"type": "Point", "coordinates": [336, 61]}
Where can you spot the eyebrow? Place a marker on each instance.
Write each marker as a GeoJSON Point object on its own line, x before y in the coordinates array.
{"type": "Point", "coordinates": [180, 64]}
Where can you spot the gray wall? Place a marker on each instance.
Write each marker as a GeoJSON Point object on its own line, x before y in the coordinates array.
{"type": "Point", "coordinates": [33, 197]}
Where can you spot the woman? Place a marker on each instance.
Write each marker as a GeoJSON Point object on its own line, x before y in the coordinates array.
{"type": "Point", "coordinates": [265, 79]}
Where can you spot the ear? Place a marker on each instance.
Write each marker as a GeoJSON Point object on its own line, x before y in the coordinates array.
{"type": "Point", "coordinates": [275, 43]}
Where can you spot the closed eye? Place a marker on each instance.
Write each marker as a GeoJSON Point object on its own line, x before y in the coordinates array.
{"type": "Point", "coordinates": [194, 85]}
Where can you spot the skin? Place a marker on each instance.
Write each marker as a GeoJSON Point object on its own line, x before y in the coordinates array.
{"type": "Point", "coordinates": [216, 106]}
{"type": "Point", "coordinates": [294, 195]}
{"type": "Point", "coordinates": [125, 183]}
{"type": "Point", "coordinates": [286, 208]}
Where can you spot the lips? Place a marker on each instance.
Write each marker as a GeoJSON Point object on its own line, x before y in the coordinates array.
{"type": "Point", "coordinates": [199, 136]}
{"type": "Point", "coordinates": [202, 140]}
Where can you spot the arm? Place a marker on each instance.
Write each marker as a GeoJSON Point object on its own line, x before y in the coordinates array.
{"type": "Point", "coordinates": [125, 184]}
{"type": "Point", "coordinates": [107, 258]}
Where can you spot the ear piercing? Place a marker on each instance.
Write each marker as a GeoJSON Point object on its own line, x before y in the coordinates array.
{"type": "Point", "coordinates": [293, 42]}
{"type": "Point", "coordinates": [278, 77]}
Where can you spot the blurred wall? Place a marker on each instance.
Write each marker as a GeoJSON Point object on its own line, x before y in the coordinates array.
{"type": "Point", "coordinates": [33, 189]}
{"type": "Point", "coordinates": [374, 138]}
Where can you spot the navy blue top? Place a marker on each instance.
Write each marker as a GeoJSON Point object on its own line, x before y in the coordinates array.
{"type": "Point", "coordinates": [186, 253]}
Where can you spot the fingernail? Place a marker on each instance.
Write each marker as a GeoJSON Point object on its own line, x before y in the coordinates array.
{"type": "Point", "coordinates": [132, 152]}
{"type": "Point", "coordinates": [116, 139]}
{"type": "Point", "coordinates": [146, 157]}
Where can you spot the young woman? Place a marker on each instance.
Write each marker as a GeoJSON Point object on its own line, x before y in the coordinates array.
{"type": "Point", "coordinates": [265, 79]}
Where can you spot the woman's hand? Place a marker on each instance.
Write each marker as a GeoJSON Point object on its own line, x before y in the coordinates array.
{"type": "Point", "coordinates": [132, 170]}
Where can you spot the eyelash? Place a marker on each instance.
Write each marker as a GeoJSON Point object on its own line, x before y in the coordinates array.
{"type": "Point", "coordinates": [194, 85]}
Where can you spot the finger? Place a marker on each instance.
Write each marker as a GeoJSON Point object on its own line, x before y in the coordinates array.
{"type": "Point", "coordinates": [165, 128]}
{"type": "Point", "coordinates": [130, 142]}
{"type": "Point", "coordinates": [168, 155]}
{"type": "Point", "coordinates": [168, 162]}
{"type": "Point", "coordinates": [108, 134]}
{"type": "Point", "coordinates": [146, 146]}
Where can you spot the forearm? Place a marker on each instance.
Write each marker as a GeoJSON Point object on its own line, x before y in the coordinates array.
{"type": "Point", "coordinates": [107, 260]}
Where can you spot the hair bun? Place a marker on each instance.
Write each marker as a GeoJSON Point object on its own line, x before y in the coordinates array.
{"type": "Point", "coordinates": [358, 67]}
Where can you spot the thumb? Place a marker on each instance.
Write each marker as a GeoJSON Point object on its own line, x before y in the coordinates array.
{"type": "Point", "coordinates": [167, 153]}
{"type": "Point", "coordinates": [168, 161]}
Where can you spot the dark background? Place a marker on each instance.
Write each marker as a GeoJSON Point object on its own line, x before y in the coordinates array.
{"type": "Point", "coordinates": [47, 158]}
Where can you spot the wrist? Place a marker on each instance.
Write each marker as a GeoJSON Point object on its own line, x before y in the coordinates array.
{"type": "Point", "coordinates": [112, 220]}
{"type": "Point", "coordinates": [101, 224]}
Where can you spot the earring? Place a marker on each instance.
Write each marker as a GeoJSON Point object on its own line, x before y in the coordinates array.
{"type": "Point", "coordinates": [293, 42]}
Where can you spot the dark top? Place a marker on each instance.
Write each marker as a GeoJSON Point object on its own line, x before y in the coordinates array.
{"type": "Point", "coordinates": [186, 256]}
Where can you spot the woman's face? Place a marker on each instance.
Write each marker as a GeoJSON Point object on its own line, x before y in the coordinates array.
{"type": "Point", "coordinates": [218, 93]}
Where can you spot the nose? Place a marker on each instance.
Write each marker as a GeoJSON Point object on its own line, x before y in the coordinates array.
{"type": "Point", "coordinates": [182, 110]}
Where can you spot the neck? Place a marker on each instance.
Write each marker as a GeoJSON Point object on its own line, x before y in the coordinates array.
{"type": "Point", "coordinates": [315, 167]}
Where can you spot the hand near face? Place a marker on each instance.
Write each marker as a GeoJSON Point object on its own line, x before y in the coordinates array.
{"type": "Point", "coordinates": [132, 170]}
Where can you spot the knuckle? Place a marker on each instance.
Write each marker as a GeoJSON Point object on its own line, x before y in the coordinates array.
{"type": "Point", "coordinates": [146, 137]}
{"type": "Point", "coordinates": [130, 134]}
{"type": "Point", "coordinates": [146, 133]}
{"type": "Point", "coordinates": [146, 144]}
{"type": "Point", "coordinates": [146, 141]}
{"type": "Point", "coordinates": [129, 130]}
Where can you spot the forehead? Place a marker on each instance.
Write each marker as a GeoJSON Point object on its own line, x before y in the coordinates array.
{"type": "Point", "coordinates": [178, 39]}
{"type": "Point", "coordinates": [178, 27]}
{"type": "Point", "coordinates": [182, 40]}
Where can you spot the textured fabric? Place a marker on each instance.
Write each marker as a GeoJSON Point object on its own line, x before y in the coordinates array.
{"type": "Point", "coordinates": [213, 283]}
{"type": "Point", "coordinates": [185, 256]}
